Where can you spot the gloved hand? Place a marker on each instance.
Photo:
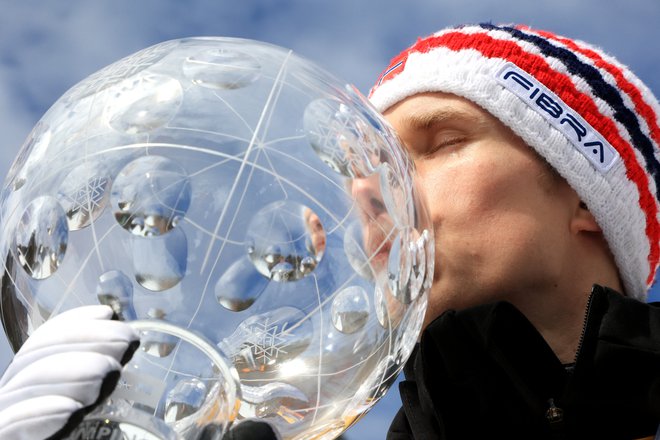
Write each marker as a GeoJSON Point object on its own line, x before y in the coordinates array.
{"type": "Point", "coordinates": [65, 368]}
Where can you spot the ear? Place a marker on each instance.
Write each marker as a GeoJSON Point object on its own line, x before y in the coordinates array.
{"type": "Point", "coordinates": [583, 220]}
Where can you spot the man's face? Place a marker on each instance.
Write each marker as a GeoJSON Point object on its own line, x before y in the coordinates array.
{"type": "Point", "coordinates": [501, 218]}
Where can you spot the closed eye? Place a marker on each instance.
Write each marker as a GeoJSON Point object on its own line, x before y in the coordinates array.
{"type": "Point", "coordinates": [452, 141]}
{"type": "Point", "coordinates": [445, 144]}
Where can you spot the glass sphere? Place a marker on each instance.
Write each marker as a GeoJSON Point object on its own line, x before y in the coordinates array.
{"type": "Point", "coordinates": [235, 190]}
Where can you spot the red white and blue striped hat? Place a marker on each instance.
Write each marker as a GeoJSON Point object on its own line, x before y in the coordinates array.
{"type": "Point", "coordinates": [587, 114]}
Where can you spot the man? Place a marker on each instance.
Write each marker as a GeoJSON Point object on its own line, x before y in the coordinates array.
{"type": "Point", "coordinates": [539, 156]}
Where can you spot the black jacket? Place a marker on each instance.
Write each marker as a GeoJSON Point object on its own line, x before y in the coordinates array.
{"type": "Point", "coordinates": [486, 372]}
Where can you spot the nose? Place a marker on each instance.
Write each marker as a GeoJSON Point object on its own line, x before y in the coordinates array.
{"type": "Point", "coordinates": [368, 196]}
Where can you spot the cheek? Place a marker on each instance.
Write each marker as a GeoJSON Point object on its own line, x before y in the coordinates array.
{"type": "Point", "coordinates": [481, 213]}
{"type": "Point", "coordinates": [464, 218]}
{"type": "Point", "coordinates": [462, 193]}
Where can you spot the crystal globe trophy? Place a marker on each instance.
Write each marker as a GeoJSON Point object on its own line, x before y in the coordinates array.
{"type": "Point", "coordinates": [253, 218]}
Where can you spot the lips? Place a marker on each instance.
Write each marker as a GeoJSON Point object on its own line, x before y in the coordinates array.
{"type": "Point", "coordinates": [378, 248]}
{"type": "Point", "coordinates": [379, 259]}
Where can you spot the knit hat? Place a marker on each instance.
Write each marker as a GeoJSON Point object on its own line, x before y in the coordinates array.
{"type": "Point", "coordinates": [587, 114]}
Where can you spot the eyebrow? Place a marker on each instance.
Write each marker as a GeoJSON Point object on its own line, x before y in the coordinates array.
{"type": "Point", "coordinates": [427, 119]}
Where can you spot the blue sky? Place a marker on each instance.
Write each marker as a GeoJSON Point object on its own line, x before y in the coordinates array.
{"type": "Point", "coordinates": [48, 46]}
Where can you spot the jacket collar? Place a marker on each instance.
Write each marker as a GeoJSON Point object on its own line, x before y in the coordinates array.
{"type": "Point", "coordinates": [615, 386]}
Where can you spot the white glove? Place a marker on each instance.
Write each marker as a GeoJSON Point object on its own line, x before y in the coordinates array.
{"type": "Point", "coordinates": [64, 369]}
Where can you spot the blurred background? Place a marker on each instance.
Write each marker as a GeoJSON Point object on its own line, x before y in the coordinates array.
{"type": "Point", "coordinates": [48, 46]}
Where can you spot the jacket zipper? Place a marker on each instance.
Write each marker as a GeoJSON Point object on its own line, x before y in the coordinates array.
{"type": "Point", "coordinates": [555, 415]}
{"type": "Point", "coordinates": [584, 326]}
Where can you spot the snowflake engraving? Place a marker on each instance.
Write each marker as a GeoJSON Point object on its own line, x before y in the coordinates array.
{"type": "Point", "coordinates": [83, 199]}
{"type": "Point", "coordinates": [87, 199]}
{"type": "Point", "coordinates": [266, 341]}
